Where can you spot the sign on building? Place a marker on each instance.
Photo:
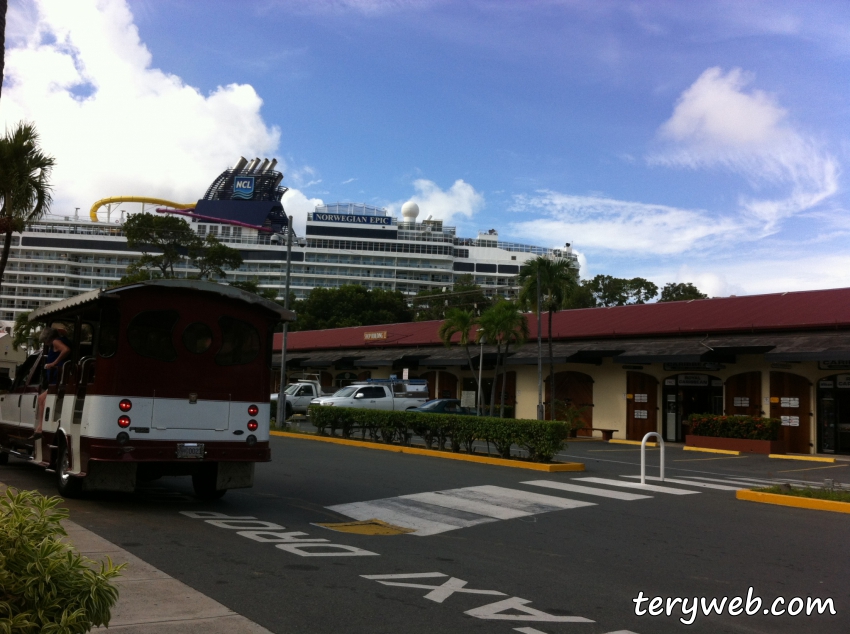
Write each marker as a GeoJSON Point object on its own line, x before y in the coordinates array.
{"type": "Point", "coordinates": [375, 336]}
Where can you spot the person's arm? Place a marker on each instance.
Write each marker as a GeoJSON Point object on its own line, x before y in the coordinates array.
{"type": "Point", "coordinates": [63, 351]}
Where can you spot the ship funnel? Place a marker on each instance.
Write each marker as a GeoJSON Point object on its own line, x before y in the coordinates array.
{"type": "Point", "coordinates": [262, 167]}
{"type": "Point", "coordinates": [252, 165]}
{"type": "Point", "coordinates": [271, 165]}
{"type": "Point", "coordinates": [240, 164]}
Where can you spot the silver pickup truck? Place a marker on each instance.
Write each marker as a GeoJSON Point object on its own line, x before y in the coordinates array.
{"type": "Point", "coordinates": [299, 396]}
{"type": "Point", "coordinates": [379, 394]}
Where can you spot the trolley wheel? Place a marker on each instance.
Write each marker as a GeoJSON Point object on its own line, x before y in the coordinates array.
{"type": "Point", "coordinates": [4, 458]}
{"type": "Point", "coordinates": [68, 486]}
{"type": "Point", "coordinates": [204, 484]}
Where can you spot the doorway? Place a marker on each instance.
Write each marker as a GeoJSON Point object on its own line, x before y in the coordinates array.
{"type": "Point", "coordinates": [572, 389]}
{"type": "Point", "coordinates": [641, 405]}
{"type": "Point", "coordinates": [686, 394]}
{"type": "Point", "coordinates": [833, 432]}
{"type": "Point", "coordinates": [789, 402]}
{"type": "Point", "coordinates": [743, 395]}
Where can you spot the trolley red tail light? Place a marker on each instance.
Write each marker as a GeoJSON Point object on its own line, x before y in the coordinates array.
{"type": "Point", "coordinates": [124, 421]}
{"type": "Point", "coordinates": [253, 410]}
{"type": "Point", "coordinates": [125, 405]}
{"type": "Point", "coordinates": [252, 425]}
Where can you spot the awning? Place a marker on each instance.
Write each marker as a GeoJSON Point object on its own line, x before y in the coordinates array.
{"type": "Point", "coordinates": [822, 346]}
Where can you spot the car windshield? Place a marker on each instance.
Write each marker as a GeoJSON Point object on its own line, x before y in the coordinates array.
{"type": "Point", "coordinates": [435, 404]}
{"type": "Point", "coordinates": [292, 389]}
{"type": "Point", "coordinates": [347, 391]}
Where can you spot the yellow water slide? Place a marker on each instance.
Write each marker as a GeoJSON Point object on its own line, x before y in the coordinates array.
{"type": "Point", "coordinates": [136, 199]}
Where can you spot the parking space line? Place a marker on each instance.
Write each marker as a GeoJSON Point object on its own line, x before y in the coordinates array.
{"type": "Point", "coordinates": [704, 459]}
{"type": "Point", "coordinates": [833, 466]}
{"type": "Point", "coordinates": [637, 485]}
{"type": "Point", "coordinates": [577, 488]}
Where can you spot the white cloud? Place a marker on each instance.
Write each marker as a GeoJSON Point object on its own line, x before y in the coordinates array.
{"type": "Point", "coordinates": [717, 122]}
{"type": "Point", "coordinates": [460, 199]}
{"type": "Point", "coordinates": [116, 124]}
{"type": "Point", "coordinates": [297, 205]}
{"type": "Point", "coordinates": [597, 223]}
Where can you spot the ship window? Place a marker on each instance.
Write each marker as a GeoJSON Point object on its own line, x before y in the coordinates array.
{"type": "Point", "coordinates": [150, 334]}
{"type": "Point", "coordinates": [240, 342]}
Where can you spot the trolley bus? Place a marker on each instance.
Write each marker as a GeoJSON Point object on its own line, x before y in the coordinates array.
{"type": "Point", "coordinates": [163, 378]}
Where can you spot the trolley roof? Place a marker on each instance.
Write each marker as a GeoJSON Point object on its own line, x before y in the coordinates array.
{"type": "Point", "coordinates": [222, 290]}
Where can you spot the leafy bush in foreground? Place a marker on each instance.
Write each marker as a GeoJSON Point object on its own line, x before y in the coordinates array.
{"type": "Point", "coordinates": [45, 586]}
{"type": "Point", "coordinates": [749, 427]}
{"type": "Point", "coordinates": [542, 439]}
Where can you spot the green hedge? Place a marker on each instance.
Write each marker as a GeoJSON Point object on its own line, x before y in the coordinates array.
{"type": "Point", "coordinates": [45, 586]}
{"type": "Point", "coordinates": [749, 427]}
{"type": "Point", "coordinates": [541, 439]}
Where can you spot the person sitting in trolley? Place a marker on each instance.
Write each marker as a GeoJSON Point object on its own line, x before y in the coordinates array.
{"type": "Point", "coordinates": [58, 349]}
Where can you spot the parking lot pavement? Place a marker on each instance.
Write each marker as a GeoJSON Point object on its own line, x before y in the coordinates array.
{"type": "Point", "coordinates": [516, 551]}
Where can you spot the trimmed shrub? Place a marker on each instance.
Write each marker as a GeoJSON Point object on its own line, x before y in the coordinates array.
{"type": "Point", "coordinates": [748, 427]}
{"type": "Point", "coordinates": [541, 439]}
{"type": "Point", "coordinates": [45, 586]}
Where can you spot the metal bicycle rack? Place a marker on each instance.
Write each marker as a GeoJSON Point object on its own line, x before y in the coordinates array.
{"type": "Point", "coordinates": [643, 456]}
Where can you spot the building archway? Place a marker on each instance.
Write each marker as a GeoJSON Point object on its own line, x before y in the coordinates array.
{"type": "Point", "coordinates": [743, 395]}
{"type": "Point", "coordinates": [686, 394]}
{"type": "Point", "coordinates": [833, 431]}
{"type": "Point", "coordinates": [572, 389]}
{"type": "Point", "coordinates": [641, 405]}
{"type": "Point", "coordinates": [790, 402]}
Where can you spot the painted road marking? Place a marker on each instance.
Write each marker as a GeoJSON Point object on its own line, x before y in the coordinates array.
{"type": "Point", "coordinates": [497, 611]}
{"type": "Point", "coordinates": [438, 593]}
{"type": "Point", "coordinates": [703, 485]}
{"type": "Point", "coordinates": [637, 485]}
{"type": "Point", "coordinates": [747, 483]}
{"type": "Point", "coordinates": [436, 512]}
{"type": "Point", "coordinates": [577, 488]}
{"type": "Point", "coordinates": [409, 514]}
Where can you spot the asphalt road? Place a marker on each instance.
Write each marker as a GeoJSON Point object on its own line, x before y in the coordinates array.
{"type": "Point", "coordinates": [540, 568]}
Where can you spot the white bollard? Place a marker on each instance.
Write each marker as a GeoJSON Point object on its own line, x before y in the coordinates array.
{"type": "Point", "coordinates": [643, 456]}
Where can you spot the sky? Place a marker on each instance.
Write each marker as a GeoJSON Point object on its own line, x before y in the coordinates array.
{"type": "Point", "coordinates": [676, 141]}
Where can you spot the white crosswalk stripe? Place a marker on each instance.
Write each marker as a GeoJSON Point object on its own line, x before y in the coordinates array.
{"type": "Point", "coordinates": [702, 485]}
{"type": "Point", "coordinates": [637, 485]}
{"type": "Point", "coordinates": [440, 511]}
{"type": "Point", "coordinates": [577, 488]}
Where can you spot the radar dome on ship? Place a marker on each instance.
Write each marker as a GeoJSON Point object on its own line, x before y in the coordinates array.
{"type": "Point", "coordinates": [409, 211]}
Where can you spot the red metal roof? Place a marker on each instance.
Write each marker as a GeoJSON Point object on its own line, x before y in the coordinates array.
{"type": "Point", "coordinates": [803, 310]}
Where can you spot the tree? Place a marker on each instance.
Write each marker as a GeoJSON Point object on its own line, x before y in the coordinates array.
{"type": "Point", "coordinates": [616, 291]}
{"type": "Point", "coordinates": [679, 292]}
{"type": "Point", "coordinates": [4, 6]}
{"type": "Point", "coordinates": [557, 284]}
{"type": "Point", "coordinates": [462, 322]}
{"type": "Point", "coordinates": [465, 294]}
{"type": "Point", "coordinates": [253, 286]}
{"type": "Point", "coordinates": [166, 241]}
{"type": "Point", "coordinates": [350, 305]}
{"type": "Point", "coordinates": [213, 257]}
{"type": "Point", "coordinates": [502, 324]}
{"type": "Point", "coordinates": [25, 332]}
{"type": "Point", "coordinates": [24, 183]}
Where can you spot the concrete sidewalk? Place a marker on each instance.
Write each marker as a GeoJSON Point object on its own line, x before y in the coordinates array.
{"type": "Point", "coordinates": [151, 601]}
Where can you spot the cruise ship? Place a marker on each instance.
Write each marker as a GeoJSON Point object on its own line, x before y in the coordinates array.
{"type": "Point", "coordinates": [345, 243]}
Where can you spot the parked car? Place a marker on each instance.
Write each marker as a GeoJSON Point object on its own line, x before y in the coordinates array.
{"type": "Point", "coordinates": [445, 406]}
{"type": "Point", "coordinates": [385, 394]}
{"type": "Point", "coordinates": [299, 395]}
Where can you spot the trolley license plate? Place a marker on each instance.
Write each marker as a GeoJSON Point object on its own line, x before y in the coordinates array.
{"type": "Point", "coordinates": [190, 450]}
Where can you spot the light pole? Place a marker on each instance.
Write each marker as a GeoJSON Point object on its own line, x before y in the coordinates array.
{"type": "Point", "coordinates": [281, 397]}
{"type": "Point", "coordinates": [481, 339]}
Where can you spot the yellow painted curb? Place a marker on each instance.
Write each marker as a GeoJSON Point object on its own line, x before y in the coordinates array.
{"type": "Point", "coordinates": [707, 450]}
{"type": "Point", "coordinates": [807, 458]}
{"type": "Point", "coordinates": [516, 464]}
{"type": "Point", "coordinates": [631, 442]}
{"type": "Point", "coordinates": [793, 500]}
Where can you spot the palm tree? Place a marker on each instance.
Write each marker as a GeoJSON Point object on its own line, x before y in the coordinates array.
{"type": "Point", "coordinates": [503, 324]}
{"type": "Point", "coordinates": [515, 332]}
{"type": "Point", "coordinates": [460, 321]}
{"type": "Point", "coordinates": [24, 183]}
{"type": "Point", "coordinates": [557, 281]}
{"type": "Point", "coordinates": [4, 6]}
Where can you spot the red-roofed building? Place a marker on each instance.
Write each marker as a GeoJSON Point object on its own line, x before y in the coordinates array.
{"type": "Point", "coordinates": [637, 368]}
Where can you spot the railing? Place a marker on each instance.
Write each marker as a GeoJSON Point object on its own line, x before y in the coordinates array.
{"type": "Point", "coordinates": [643, 456]}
